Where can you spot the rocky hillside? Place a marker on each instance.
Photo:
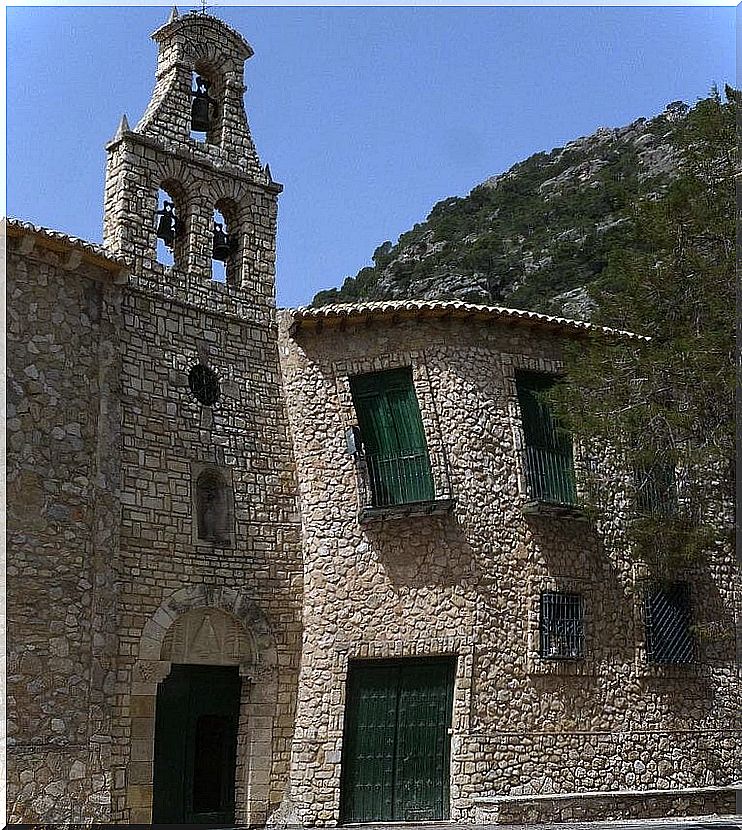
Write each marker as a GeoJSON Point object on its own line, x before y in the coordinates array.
{"type": "Point", "coordinates": [534, 236]}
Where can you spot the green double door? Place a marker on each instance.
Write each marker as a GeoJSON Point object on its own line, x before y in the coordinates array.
{"type": "Point", "coordinates": [196, 745]}
{"type": "Point", "coordinates": [396, 747]}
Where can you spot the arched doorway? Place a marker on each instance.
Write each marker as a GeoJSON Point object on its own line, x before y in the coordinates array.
{"type": "Point", "coordinates": [207, 660]}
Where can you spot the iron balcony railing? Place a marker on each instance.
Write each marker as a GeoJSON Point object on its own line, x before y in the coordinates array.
{"type": "Point", "coordinates": [397, 479]}
{"type": "Point", "coordinates": [550, 476]}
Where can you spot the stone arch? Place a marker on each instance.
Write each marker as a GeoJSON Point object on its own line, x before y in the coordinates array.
{"type": "Point", "coordinates": [215, 78]}
{"type": "Point", "coordinates": [180, 184]}
{"type": "Point", "coordinates": [232, 199]}
{"type": "Point", "coordinates": [212, 626]}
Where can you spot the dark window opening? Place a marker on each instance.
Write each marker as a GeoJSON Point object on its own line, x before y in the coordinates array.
{"type": "Point", "coordinates": [656, 488]}
{"type": "Point", "coordinates": [549, 464]}
{"type": "Point", "coordinates": [213, 743]}
{"type": "Point", "coordinates": [204, 384]}
{"type": "Point", "coordinates": [394, 447]}
{"type": "Point", "coordinates": [667, 623]}
{"type": "Point", "coordinates": [561, 626]}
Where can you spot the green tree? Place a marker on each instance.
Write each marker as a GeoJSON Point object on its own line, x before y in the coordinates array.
{"type": "Point", "coordinates": [665, 399]}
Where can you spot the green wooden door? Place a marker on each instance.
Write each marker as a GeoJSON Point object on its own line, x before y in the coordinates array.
{"type": "Point", "coordinates": [549, 462]}
{"type": "Point", "coordinates": [393, 437]}
{"type": "Point", "coordinates": [396, 747]}
{"type": "Point", "coordinates": [195, 745]}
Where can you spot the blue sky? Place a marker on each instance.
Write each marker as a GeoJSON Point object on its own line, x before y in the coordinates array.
{"type": "Point", "coordinates": [367, 115]}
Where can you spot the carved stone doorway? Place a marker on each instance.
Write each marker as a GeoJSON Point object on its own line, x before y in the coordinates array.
{"type": "Point", "coordinates": [205, 629]}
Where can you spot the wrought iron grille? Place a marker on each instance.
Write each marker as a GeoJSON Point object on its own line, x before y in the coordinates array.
{"type": "Point", "coordinates": [562, 629]}
{"type": "Point", "coordinates": [550, 476]}
{"type": "Point", "coordinates": [204, 384]}
{"type": "Point", "coordinates": [656, 489]}
{"type": "Point", "coordinates": [667, 619]}
{"type": "Point", "coordinates": [399, 479]}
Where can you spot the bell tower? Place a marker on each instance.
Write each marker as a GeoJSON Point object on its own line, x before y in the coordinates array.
{"type": "Point", "coordinates": [193, 147]}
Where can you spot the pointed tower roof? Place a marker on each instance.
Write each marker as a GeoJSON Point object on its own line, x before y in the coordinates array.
{"type": "Point", "coordinates": [123, 127]}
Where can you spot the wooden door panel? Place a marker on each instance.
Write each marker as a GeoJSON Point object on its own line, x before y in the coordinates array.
{"type": "Point", "coordinates": [370, 734]}
{"type": "Point", "coordinates": [396, 742]}
{"type": "Point", "coordinates": [424, 713]}
{"type": "Point", "coordinates": [195, 745]}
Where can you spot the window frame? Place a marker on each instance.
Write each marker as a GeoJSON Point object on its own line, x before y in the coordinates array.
{"type": "Point", "coordinates": [540, 484]}
{"type": "Point", "coordinates": [578, 602]}
{"type": "Point", "coordinates": [652, 594]}
{"type": "Point", "coordinates": [395, 450]}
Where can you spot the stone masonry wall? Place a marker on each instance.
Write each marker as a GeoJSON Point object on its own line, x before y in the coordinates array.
{"type": "Point", "coordinates": [165, 432]}
{"type": "Point", "coordinates": [62, 476]}
{"type": "Point", "coordinates": [236, 601]}
{"type": "Point", "coordinates": [468, 584]}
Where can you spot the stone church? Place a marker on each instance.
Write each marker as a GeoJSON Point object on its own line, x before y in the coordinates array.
{"type": "Point", "coordinates": [318, 566]}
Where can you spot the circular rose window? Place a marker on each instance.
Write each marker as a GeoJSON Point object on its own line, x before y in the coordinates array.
{"type": "Point", "coordinates": [204, 384]}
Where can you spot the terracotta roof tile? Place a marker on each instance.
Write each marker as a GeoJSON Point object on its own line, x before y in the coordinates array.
{"type": "Point", "coordinates": [306, 316]}
{"type": "Point", "coordinates": [18, 226]}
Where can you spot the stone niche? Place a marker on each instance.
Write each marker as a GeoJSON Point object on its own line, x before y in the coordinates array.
{"type": "Point", "coordinates": [212, 505]}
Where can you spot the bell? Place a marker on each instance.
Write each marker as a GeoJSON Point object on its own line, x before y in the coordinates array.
{"type": "Point", "coordinates": [224, 246]}
{"type": "Point", "coordinates": [168, 225]}
{"type": "Point", "coordinates": [200, 115]}
{"type": "Point", "coordinates": [201, 106]}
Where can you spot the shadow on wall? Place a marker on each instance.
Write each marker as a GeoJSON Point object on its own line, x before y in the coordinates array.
{"type": "Point", "coordinates": [424, 552]}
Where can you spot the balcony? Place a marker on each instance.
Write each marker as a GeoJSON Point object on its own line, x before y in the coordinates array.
{"type": "Point", "coordinates": [399, 485]}
{"type": "Point", "coordinates": [550, 483]}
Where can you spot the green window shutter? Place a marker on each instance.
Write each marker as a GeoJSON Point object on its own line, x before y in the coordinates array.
{"type": "Point", "coordinates": [393, 437]}
{"type": "Point", "coordinates": [549, 462]}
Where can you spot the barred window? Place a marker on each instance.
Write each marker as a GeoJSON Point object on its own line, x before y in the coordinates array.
{"type": "Point", "coordinates": [667, 621]}
{"type": "Point", "coordinates": [656, 488]}
{"type": "Point", "coordinates": [562, 634]}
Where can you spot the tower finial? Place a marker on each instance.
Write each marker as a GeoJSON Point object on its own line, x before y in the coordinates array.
{"type": "Point", "coordinates": [123, 127]}
{"type": "Point", "coordinates": [174, 15]}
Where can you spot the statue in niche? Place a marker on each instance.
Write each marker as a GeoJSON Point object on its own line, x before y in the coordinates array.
{"type": "Point", "coordinates": [211, 507]}
{"type": "Point", "coordinates": [203, 108]}
{"type": "Point", "coordinates": [168, 226]}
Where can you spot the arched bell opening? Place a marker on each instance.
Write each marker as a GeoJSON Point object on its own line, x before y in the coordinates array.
{"type": "Point", "coordinates": [207, 104]}
{"type": "Point", "coordinates": [226, 244]}
{"type": "Point", "coordinates": [171, 224]}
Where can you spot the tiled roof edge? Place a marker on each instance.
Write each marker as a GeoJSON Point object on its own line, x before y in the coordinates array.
{"type": "Point", "coordinates": [348, 311]}
{"type": "Point", "coordinates": [18, 226]}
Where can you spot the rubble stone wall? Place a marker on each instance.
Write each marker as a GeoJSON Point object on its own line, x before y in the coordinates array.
{"type": "Point", "coordinates": [62, 547]}
{"type": "Point", "coordinates": [468, 584]}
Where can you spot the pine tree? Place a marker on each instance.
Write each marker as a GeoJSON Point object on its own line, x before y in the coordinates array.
{"type": "Point", "coordinates": [665, 400]}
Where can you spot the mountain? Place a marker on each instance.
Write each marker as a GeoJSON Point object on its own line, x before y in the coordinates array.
{"type": "Point", "coordinates": [535, 236]}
